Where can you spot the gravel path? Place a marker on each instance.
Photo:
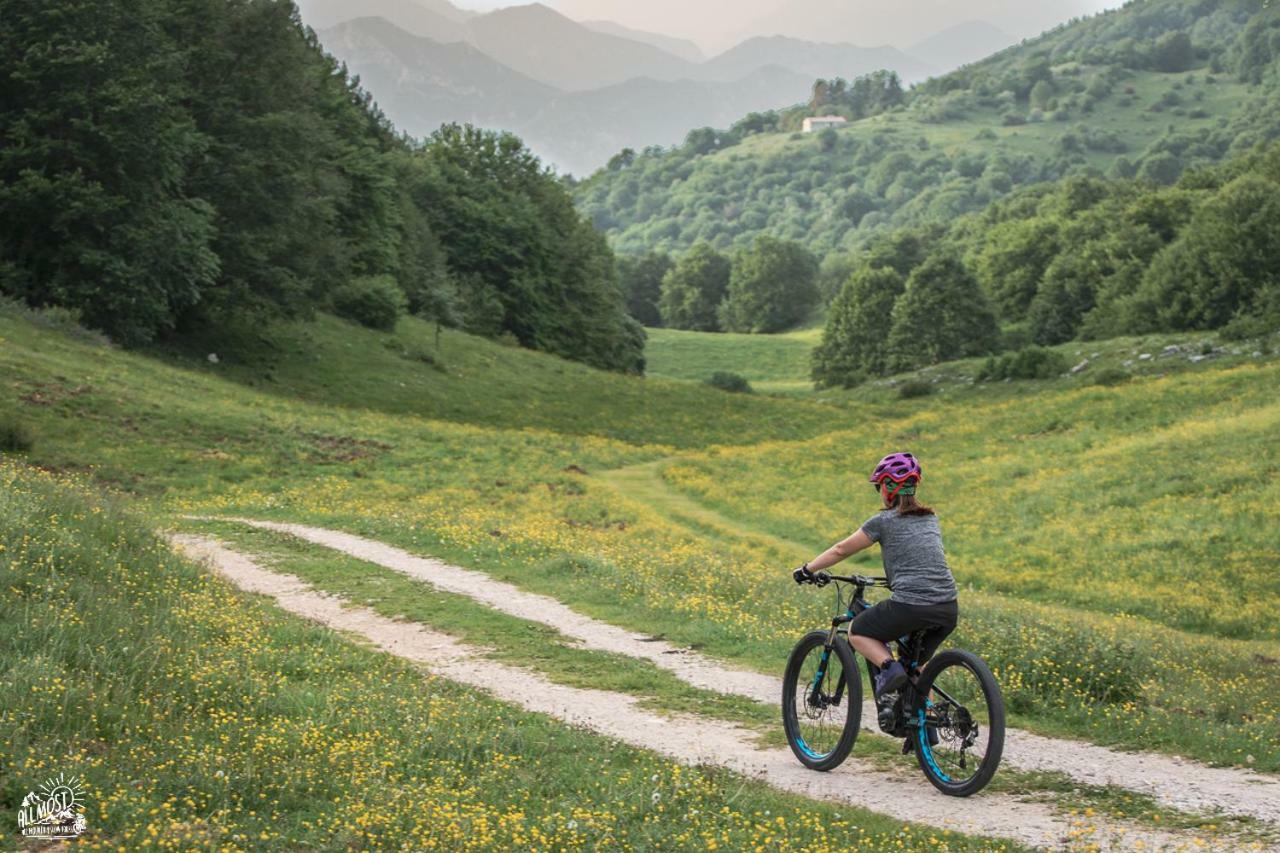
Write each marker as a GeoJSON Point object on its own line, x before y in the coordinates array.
{"type": "Point", "coordinates": [1174, 782]}
{"type": "Point", "coordinates": [685, 739]}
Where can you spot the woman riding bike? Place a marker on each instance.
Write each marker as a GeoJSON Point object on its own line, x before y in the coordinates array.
{"type": "Point", "coordinates": [924, 591]}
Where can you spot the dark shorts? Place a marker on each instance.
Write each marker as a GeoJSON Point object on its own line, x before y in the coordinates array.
{"type": "Point", "coordinates": [889, 620]}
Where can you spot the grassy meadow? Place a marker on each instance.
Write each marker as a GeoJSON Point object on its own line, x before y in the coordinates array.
{"type": "Point", "coordinates": [771, 363]}
{"type": "Point", "coordinates": [114, 646]}
{"type": "Point", "coordinates": [1123, 537]}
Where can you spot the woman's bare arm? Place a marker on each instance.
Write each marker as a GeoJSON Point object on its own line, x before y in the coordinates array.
{"type": "Point", "coordinates": [859, 541]}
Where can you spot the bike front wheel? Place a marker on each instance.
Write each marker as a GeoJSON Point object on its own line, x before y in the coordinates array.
{"type": "Point", "coordinates": [964, 711]}
{"type": "Point", "coordinates": [821, 701]}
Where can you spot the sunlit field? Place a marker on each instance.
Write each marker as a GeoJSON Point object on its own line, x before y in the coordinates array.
{"type": "Point", "coordinates": [201, 719]}
{"type": "Point", "coordinates": [1114, 576]}
{"type": "Point", "coordinates": [771, 363]}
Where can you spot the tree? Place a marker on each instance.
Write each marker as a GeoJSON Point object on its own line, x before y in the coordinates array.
{"type": "Point", "coordinates": [288, 164]}
{"type": "Point", "coordinates": [624, 159]}
{"type": "Point", "coordinates": [1257, 48]}
{"type": "Point", "coordinates": [641, 281]}
{"type": "Point", "coordinates": [511, 231]}
{"type": "Point", "coordinates": [1161, 169]}
{"type": "Point", "coordinates": [1012, 261]}
{"type": "Point", "coordinates": [1042, 94]}
{"type": "Point", "coordinates": [1224, 264]}
{"type": "Point", "coordinates": [772, 287]}
{"type": "Point", "coordinates": [854, 341]}
{"type": "Point", "coordinates": [901, 251]}
{"type": "Point", "coordinates": [1173, 52]}
{"type": "Point", "coordinates": [941, 315]}
{"type": "Point", "coordinates": [94, 151]}
{"type": "Point", "coordinates": [1062, 300]}
{"type": "Point", "coordinates": [693, 290]}
{"type": "Point", "coordinates": [702, 140]}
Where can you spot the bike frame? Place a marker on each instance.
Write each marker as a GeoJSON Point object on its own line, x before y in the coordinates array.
{"type": "Point", "coordinates": [857, 604]}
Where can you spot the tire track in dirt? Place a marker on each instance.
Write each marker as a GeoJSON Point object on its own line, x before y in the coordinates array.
{"type": "Point", "coordinates": [1174, 782]}
{"type": "Point", "coordinates": [686, 739]}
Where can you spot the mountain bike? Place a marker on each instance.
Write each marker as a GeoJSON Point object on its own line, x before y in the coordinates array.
{"type": "Point", "coordinates": [951, 714]}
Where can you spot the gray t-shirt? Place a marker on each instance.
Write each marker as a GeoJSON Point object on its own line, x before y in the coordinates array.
{"type": "Point", "coordinates": [914, 562]}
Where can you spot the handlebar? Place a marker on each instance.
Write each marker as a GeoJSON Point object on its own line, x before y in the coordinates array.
{"type": "Point", "coordinates": [822, 579]}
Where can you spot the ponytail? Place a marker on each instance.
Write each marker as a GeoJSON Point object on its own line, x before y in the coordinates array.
{"type": "Point", "coordinates": [908, 505]}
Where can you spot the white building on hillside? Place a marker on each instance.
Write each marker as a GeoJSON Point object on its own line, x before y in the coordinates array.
{"type": "Point", "coordinates": [813, 125]}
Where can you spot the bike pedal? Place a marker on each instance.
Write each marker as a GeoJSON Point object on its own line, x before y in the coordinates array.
{"type": "Point", "coordinates": [908, 746]}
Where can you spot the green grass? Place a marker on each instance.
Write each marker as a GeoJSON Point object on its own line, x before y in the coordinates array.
{"type": "Point", "coordinates": [771, 363]}
{"type": "Point", "coordinates": [465, 379]}
{"type": "Point", "coordinates": [201, 718]}
{"type": "Point", "coordinates": [701, 556]}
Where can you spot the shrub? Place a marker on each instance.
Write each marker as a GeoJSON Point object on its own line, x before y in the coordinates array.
{"type": "Point", "coordinates": [375, 302]}
{"type": "Point", "coordinates": [914, 389]}
{"type": "Point", "coordinates": [1030, 363]}
{"type": "Point", "coordinates": [1109, 376]}
{"type": "Point", "coordinates": [15, 437]}
{"type": "Point", "coordinates": [56, 318]}
{"type": "Point", "coordinates": [731, 382]}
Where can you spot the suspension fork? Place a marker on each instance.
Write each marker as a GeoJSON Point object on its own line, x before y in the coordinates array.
{"type": "Point", "coordinates": [836, 623]}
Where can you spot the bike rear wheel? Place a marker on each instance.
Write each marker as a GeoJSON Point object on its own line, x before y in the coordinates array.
{"type": "Point", "coordinates": [821, 701]}
{"type": "Point", "coordinates": [966, 711]}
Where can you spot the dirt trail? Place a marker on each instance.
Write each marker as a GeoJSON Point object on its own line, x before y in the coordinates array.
{"type": "Point", "coordinates": [1174, 782]}
{"type": "Point", "coordinates": [644, 483]}
{"type": "Point", "coordinates": [685, 739]}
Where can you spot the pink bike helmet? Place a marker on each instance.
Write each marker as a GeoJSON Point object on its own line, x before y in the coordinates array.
{"type": "Point", "coordinates": [902, 469]}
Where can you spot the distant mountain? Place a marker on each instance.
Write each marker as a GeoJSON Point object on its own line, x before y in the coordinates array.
{"type": "Point", "coordinates": [541, 43]}
{"type": "Point", "coordinates": [577, 95]}
{"type": "Point", "coordinates": [580, 131]}
{"type": "Point", "coordinates": [814, 60]}
{"type": "Point", "coordinates": [933, 159]}
{"type": "Point", "coordinates": [421, 84]}
{"type": "Point", "coordinates": [682, 48]}
{"type": "Point", "coordinates": [417, 17]}
{"type": "Point", "coordinates": [962, 44]}
{"type": "Point", "coordinates": [900, 23]}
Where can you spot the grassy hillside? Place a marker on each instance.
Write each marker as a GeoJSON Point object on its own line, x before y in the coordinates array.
{"type": "Point", "coordinates": [460, 378]}
{"type": "Point", "coordinates": [771, 363]}
{"type": "Point", "coordinates": [1082, 99]}
{"type": "Point", "coordinates": [112, 646]}
{"type": "Point", "coordinates": [1149, 644]}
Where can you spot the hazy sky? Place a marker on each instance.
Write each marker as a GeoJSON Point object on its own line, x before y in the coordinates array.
{"type": "Point", "coordinates": [718, 24]}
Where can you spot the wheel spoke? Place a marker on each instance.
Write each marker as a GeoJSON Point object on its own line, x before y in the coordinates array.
{"type": "Point", "coordinates": [962, 721]}
{"type": "Point", "coordinates": [820, 715]}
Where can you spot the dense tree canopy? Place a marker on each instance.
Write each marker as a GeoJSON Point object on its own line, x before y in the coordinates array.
{"type": "Point", "coordinates": [855, 342]}
{"type": "Point", "coordinates": [641, 279]}
{"type": "Point", "coordinates": [941, 315]}
{"type": "Point", "coordinates": [693, 290]}
{"type": "Point", "coordinates": [772, 287]}
{"type": "Point", "coordinates": [1088, 259]}
{"type": "Point", "coordinates": [170, 164]}
{"type": "Point", "coordinates": [1152, 89]}
{"type": "Point", "coordinates": [94, 147]}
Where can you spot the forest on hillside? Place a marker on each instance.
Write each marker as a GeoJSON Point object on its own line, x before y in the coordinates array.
{"type": "Point", "coordinates": [177, 165]}
{"type": "Point", "coordinates": [1146, 91]}
{"type": "Point", "coordinates": [1082, 259]}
